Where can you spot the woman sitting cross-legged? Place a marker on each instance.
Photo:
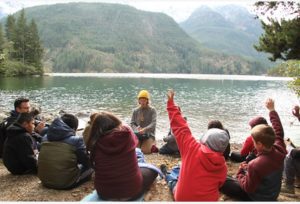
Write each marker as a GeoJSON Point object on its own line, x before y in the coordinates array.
{"type": "Point", "coordinates": [118, 175]}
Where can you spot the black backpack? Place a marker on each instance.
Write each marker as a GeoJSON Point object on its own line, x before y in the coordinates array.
{"type": "Point", "coordinates": [3, 126]}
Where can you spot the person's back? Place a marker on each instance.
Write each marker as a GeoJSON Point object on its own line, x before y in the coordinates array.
{"type": "Point", "coordinates": [61, 153]}
{"type": "Point", "coordinates": [248, 151]}
{"type": "Point", "coordinates": [19, 155]}
{"type": "Point", "coordinates": [116, 166]}
{"type": "Point", "coordinates": [260, 179]}
{"type": "Point", "coordinates": [121, 172]}
{"type": "Point", "coordinates": [203, 169]}
{"type": "Point", "coordinates": [266, 170]}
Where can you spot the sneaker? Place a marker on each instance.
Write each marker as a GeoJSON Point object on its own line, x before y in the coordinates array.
{"type": "Point", "coordinates": [164, 169]}
{"type": "Point", "coordinates": [287, 189]}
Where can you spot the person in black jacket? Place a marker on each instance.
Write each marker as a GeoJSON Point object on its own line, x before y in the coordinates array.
{"type": "Point", "coordinates": [22, 105]}
{"type": "Point", "coordinates": [19, 154]}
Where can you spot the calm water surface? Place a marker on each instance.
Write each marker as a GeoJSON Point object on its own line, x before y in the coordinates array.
{"type": "Point", "coordinates": [232, 101]}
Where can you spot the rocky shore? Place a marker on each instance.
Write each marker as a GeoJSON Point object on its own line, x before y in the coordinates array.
{"type": "Point", "coordinates": [29, 187]}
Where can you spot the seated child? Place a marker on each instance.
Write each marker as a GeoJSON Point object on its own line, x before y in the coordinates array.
{"type": "Point", "coordinates": [219, 125]}
{"type": "Point", "coordinates": [248, 151]}
{"type": "Point", "coordinates": [291, 163]}
{"type": "Point", "coordinates": [118, 174]}
{"type": "Point", "coordinates": [260, 179]}
{"type": "Point", "coordinates": [203, 169]}
{"type": "Point", "coordinates": [63, 160]}
{"type": "Point", "coordinates": [19, 151]}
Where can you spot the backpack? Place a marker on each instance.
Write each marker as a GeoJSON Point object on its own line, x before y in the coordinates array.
{"type": "Point", "coordinates": [3, 126]}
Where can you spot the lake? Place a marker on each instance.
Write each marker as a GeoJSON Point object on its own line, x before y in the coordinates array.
{"type": "Point", "coordinates": [233, 100]}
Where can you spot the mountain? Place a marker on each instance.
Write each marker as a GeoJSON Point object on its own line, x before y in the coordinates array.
{"type": "Point", "coordinates": [102, 37]}
{"type": "Point", "coordinates": [228, 29]}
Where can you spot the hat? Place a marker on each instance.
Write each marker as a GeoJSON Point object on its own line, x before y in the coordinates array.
{"type": "Point", "coordinates": [257, 121]}
{"type": "Point", "coordinates": [216, 139]}
{"type": "Point", "coordinates": [144, 94]}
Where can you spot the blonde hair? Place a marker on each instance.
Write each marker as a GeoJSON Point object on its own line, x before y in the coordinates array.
{"type": "Point", "coordinates": [264, 134]}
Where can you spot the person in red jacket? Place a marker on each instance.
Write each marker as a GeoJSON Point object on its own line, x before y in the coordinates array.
{"type": "Point", "coordinates": [260, 179]}
{"type": "Point", "coordinates": [203, 169]}
{"type": "Point", "coordinates": [248, 151]}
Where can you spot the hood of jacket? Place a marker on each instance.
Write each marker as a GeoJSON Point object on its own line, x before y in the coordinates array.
{"type": "Point", "coordinates": [120, 140]}
{"type": "Point", "coordinates": [59, 130]}
{"type": "Point", "coordinates": [15, 129]}
{"type": "Point", "coordinates": [13, 116]}
{"type": "Point", "coordinates": [212, 161]}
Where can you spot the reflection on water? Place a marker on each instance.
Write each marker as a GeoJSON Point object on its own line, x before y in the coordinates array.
{"type": "Point", "coordinates": [234, 102]}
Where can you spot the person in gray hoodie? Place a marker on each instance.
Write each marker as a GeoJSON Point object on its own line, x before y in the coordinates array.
{"type": "Point", "coordinates": [63, 160]}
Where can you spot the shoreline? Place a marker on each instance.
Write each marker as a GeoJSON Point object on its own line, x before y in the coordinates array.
{"type": "Point", "coordinates": [173, 76]}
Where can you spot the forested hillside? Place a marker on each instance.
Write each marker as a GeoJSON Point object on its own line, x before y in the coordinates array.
{"type": "Point", "coordinates": [99, 37]}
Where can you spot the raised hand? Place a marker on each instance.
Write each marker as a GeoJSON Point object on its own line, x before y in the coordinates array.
{"type": "Point", "coordinates": [170, 94]}
{"type": "Point", "coordinates": [296, 111]}
{"type": "Point", "coordinates": [270, 104]}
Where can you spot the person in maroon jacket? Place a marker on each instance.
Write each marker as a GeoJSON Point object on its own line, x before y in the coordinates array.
{"type": "Point", "coordinates": [260, 179]}
{"type": "Point", "coordinates": [118, 176]}
{"type": "Point", "coordinates": [248, 151]}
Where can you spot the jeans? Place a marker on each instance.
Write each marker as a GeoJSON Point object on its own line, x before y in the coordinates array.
{"type": "Point", "coordinates": [95, 197]}
{"type": "Point", "coordinates": [291, 170]}
{"type": "Point", "coordinates": [172, 178]}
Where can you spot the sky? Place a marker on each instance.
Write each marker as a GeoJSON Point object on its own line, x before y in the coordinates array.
{"type": "Point", "coordinates": [179, 10]}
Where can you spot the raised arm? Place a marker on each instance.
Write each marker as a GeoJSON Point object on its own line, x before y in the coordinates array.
{"type": "Point", "coordinates": [179, 125]}
{"type": "Point", "coordinates": [276, 123]}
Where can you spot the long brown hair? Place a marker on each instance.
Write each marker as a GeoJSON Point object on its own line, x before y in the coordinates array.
{"type": "Point", "coordinates": [103, 123]}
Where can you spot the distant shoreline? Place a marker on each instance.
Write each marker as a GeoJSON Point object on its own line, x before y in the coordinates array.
{"type": "Point", "coordinates": [173, 76]}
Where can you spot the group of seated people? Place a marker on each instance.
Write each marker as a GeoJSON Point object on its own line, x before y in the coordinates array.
{"type": "Point", "coordinates": [114, 152]}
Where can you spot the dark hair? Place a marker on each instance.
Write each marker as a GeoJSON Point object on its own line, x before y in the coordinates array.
{"type": "Point", "coordinates": [70, 120]}
{"type": "Point", "coordinates": [24, 117]}
{"type": "Point", "coordinates": [215, 124]}
{"type": "Point", "coordinates": [264, 134]}
{"type": "Point", "coordinates": [19, 101]}
{"type": "Point", "coordinates": [103, 124]}
{"type": "Point", "coordinates": [35, 111]}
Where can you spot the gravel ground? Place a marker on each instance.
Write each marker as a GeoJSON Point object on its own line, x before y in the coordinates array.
{"type": "Point", "coordinates": [29, 187]}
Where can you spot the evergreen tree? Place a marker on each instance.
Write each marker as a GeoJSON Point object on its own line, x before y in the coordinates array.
{"type": "Point", "coordinates": [281, 37]}
{"type": "Point", "coordinates": [20, 41]}
{"type": "Point", "coordinates": [10, 34]}
{"type": "Point", "coordinates": [10, 28]}
{"type": "Point", "coordinates": [34, 50]}
{"type": "Point", "coordinates": [1, 39]}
